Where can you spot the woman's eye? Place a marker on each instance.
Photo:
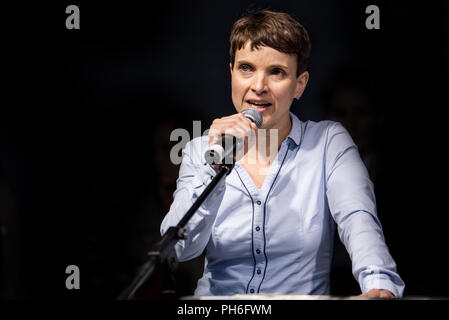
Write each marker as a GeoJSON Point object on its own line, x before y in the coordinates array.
{"type": "Point", "coordinates": [245, 67]}
{"type": "Point", "coordinates": [278, 71]}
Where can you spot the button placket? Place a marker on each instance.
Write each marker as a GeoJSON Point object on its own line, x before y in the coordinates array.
{"type": "Point", "coordinates": [258, 243]}
{"type": "Point", "coordinates": [259, 198]}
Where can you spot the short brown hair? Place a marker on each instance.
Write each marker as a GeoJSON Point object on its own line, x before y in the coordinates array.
{"type": "Point", "coordinates": [277, 30]}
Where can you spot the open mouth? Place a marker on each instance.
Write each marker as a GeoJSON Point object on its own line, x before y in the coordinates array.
{"type": "Point", "coordinates": [259, 104]}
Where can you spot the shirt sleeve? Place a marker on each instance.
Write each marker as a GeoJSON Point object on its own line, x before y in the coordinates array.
{"type": "Point", "coordinates": [352, 203]}
{"type": "Point", "coordinates": [194, 176]}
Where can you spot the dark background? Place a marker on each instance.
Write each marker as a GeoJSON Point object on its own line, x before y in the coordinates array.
{"type": "Point", "coordinates": [85, 176]}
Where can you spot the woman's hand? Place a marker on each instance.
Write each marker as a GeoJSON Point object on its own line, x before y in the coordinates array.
{"type": "Point", "coordinates": [378, 293]}
{"type": "Point", "coordinates": [236, 125]}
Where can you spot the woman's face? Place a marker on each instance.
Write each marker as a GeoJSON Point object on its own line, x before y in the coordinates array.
{"type": "Point", "coordinates": [265, 79]}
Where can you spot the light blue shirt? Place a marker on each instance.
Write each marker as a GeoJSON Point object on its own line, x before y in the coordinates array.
{"type": "Point", "coordinates": [279, 239]}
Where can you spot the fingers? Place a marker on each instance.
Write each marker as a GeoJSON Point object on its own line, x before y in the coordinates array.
{"type": "Point", "coordinates": [377, 293]}
{"type": "Point", "coordinates": [386, 294]}
{"type": "Point", "coordinates": [236, 125]}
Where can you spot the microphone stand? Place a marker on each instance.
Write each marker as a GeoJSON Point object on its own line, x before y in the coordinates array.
{"type": "Point", "coordinates": [163, 253]}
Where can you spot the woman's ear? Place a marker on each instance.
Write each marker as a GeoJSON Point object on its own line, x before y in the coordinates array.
{"type": "Point", "coordinates": [230, 67]}
{"type": "Point", "coordinates": [301, 83]}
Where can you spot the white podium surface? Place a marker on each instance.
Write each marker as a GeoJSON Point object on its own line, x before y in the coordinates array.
{"type": "Point", "coordinates": [272, 297]}
{"type": "Point", "coordinates": [298, 297]}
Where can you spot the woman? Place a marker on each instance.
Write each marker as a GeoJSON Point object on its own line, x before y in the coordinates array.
{"type": "Point", "coordinates": [268, 227]}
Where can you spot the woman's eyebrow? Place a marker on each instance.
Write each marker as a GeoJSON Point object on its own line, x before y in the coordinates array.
{"type": "Point", "coordinates": [278, 66]}
{"type": "Point", "coordinates": [272, 66]}
{"type": "Point", "coordinates": [244, 62]}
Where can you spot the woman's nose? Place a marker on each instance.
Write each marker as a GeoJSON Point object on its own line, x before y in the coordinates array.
{"type": "Point", "coordinates": [258, 84]}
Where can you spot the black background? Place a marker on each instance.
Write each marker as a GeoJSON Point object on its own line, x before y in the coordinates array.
{"type": "Point", "coordinates": [80, 106]}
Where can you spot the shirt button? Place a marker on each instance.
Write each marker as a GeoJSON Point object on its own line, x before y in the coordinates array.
{"type": "Point", "coordinates": [258, 251]}
{"type": "Point", "coordinates": [259, 202]}
{"type": "Point", "coordinates": [259, 271]}
{"type": "Point", "coordinates": [257, 228]}
{"type": "Point", "coordinates": [252, 290]}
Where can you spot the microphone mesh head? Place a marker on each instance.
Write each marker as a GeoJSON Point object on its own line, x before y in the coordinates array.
{"type": "Point", "coordinates": [254, 115]}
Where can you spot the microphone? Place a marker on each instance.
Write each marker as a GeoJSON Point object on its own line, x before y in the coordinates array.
{"type": "Point", "coordinates": [225, 148]}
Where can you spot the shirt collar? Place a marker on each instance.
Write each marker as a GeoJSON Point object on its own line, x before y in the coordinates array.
{"type": "Point", "coordinates": [295, 132]}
